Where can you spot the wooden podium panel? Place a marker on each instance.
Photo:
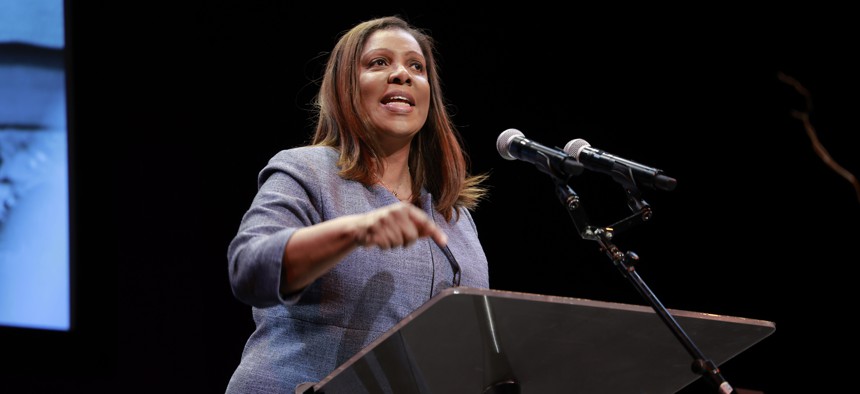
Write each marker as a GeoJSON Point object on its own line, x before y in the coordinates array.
{"type": "Point", "coordinates": [472, 341]}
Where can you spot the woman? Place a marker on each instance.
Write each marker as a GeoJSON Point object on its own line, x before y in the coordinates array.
{"type": "Point", "coordinates": [350, 234]}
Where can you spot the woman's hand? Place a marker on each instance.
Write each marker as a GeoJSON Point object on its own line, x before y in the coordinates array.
{"type": "Point", "coordinates": [396, 225]}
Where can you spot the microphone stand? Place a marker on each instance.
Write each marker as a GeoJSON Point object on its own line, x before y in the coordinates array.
{"type": "Point", "coordinates": [625, 262]}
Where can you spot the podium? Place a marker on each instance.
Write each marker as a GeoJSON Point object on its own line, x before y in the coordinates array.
{"type": "Point", "coordinates": [474, 341]}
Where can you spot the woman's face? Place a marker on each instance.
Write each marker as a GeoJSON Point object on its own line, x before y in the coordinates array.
{"type": "Point", "coordinates": [395, 91]}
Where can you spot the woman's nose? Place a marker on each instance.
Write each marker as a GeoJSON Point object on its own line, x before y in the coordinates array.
{"type": "Point", "coordinates": [400, 75]}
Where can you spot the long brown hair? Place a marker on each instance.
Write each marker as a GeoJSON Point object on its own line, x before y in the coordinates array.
{"type": "Point", "coordinates": [436, 160]}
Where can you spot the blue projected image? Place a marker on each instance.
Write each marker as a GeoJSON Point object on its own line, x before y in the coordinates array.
{"type": "Point", "coordinates": [34, 197]}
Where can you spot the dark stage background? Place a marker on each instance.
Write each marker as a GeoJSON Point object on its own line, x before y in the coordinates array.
{"type": "Point", "coordinates": [178, 107]}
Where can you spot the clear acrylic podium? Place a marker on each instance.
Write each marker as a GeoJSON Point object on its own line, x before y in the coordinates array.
{"type": "Point", "coordinates": [474, 341]}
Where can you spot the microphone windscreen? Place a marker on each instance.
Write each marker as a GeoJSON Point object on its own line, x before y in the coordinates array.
{"type": "Point", "coordinates": [575, 147]}
{"type": "Point", "coordinates": [503, 143]}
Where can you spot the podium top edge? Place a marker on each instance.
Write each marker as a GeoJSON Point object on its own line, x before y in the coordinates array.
{"type": "Point", "coordinates": [473, 291]}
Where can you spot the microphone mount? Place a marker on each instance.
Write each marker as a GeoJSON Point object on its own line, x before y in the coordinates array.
{"type": "Point", "coordinates": [625, 262]}
{"type": "Point", "coordinates": [511, 144]}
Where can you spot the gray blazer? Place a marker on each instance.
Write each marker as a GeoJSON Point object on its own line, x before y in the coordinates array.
{"type": "Point", "coordinates": [303, 337]}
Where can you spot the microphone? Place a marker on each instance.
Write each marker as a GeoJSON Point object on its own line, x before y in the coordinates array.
{"type": "Point", "coordinates": [600, 161]}
{"type": "Point", "coordinates": [512, 144]}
